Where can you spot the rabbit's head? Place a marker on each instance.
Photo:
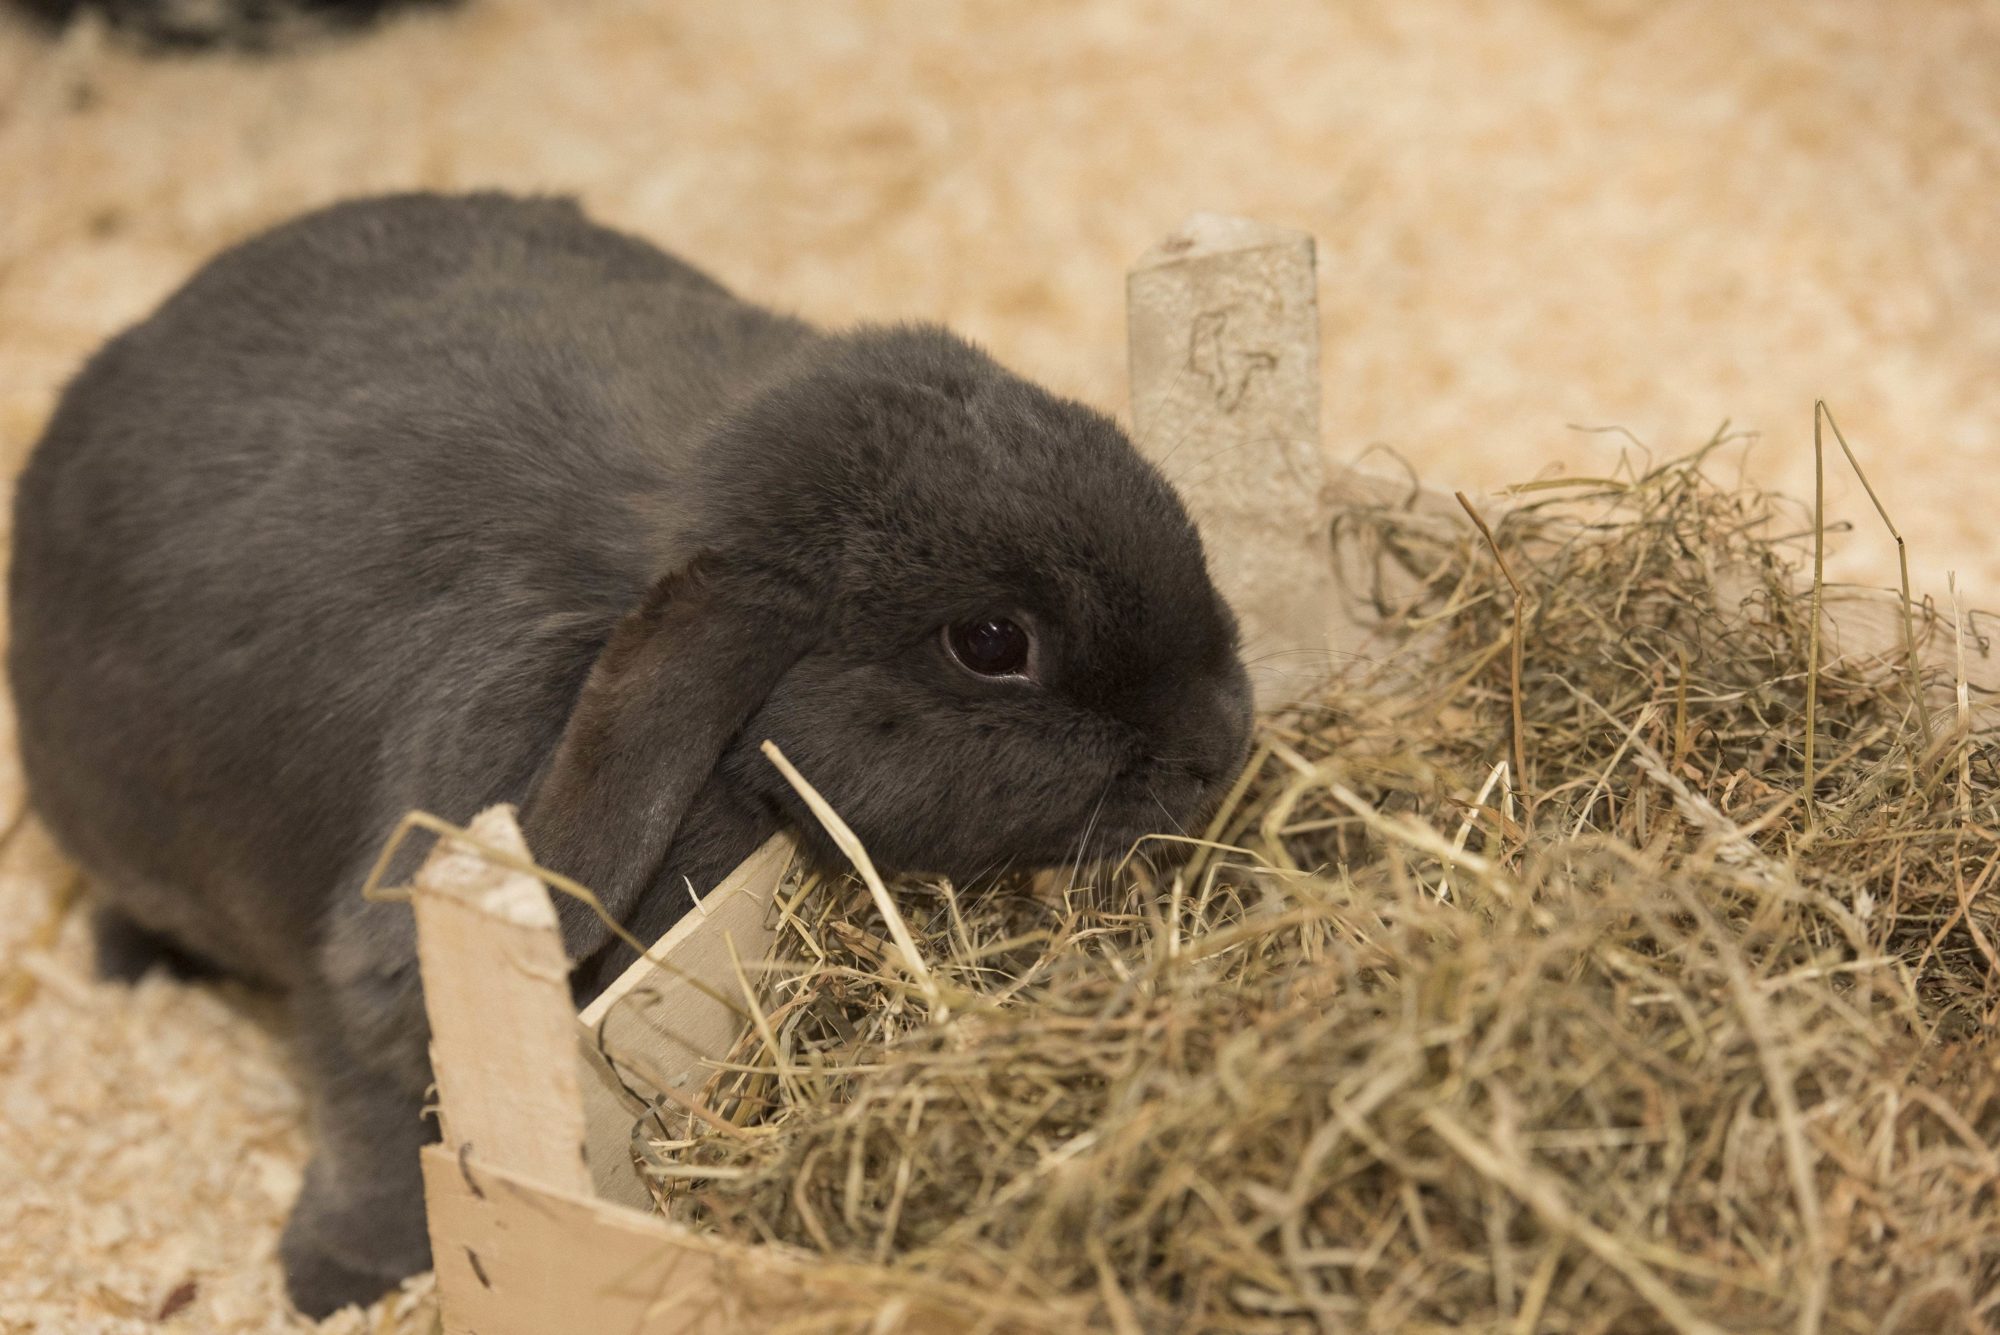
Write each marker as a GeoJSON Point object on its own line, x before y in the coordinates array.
{"type": "Point", "coordinates": [1018, 656]}
{"type": "Point", "coordinates": [967, 609]}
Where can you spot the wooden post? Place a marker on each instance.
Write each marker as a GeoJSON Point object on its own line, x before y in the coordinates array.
{"type": "Point", "coordinates": [1223, 328]}
{"type": "Point", "coordinates": [503, 1034]}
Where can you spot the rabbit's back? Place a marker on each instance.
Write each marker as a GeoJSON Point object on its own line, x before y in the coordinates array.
{"type": "Point", "coordinates": [337, 532]}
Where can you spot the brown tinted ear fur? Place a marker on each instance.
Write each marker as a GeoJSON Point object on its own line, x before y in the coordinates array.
{"type": "Point", "coordinates": [679, 677]}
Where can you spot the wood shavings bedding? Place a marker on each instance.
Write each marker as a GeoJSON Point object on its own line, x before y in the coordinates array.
{"type": "Point", "coordinates": [151, 1139]}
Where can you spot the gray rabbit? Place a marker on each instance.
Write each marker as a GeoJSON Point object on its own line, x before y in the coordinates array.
{"type": "Point", "coordinates": [436, 502]}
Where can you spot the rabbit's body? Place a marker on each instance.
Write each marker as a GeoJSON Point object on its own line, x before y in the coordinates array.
{"type": "Point", "coordinates": [285, 590]}
{"type": "Point", "coordinates": [433, 503]}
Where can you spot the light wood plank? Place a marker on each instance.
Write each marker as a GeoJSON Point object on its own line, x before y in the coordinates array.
{"type": "Point", "coordinates": [1222, 320]}
{"type": "Point", "coordinates": [515, 1258]}
{"type": "Point", "coordinates": [657, 1030]}
{"type": "Point", "coordinates": [503, 1033]}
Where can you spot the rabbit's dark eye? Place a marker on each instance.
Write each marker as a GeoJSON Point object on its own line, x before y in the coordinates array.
{"type": "Point", "coordinates": [991, 646]}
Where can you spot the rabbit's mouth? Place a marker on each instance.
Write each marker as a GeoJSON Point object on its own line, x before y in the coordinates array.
{"type": "Point", "coordinates": [1156, 814]}
{"type": "Point", "coordinates": [1136, 823]}
{"type": "Point", "coordinates": [1158, 827]}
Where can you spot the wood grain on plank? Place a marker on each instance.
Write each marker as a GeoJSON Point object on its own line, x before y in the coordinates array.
{"type": "Point", "coordinates": [496, 988]}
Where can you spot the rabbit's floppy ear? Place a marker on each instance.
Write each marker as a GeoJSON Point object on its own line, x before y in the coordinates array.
{"type": "Point", "coordinates": [678, 679]}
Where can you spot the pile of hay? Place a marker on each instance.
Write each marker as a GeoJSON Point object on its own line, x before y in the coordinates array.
{"type": "Point", "coordinates": [1623, 1040]}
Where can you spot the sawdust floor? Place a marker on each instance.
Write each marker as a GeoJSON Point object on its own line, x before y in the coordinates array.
{"type": "Point", "coordinates": [1530, 215]}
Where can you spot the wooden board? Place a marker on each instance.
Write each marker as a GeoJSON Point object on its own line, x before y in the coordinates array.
{"type": "Point", "coordinates": [655, 1030]}
{"type": "Point", "coordinates": [515, 1257]}
{"type": "Point", "coordinates": [1223, 330]}
{"type": "Point", "coordinates": [503, 1036]}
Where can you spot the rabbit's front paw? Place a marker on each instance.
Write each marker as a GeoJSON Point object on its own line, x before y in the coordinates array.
{"type": "Point", "coordinates": [340, 1252]}
{"type": "Point", "coordinates": [126, 952]}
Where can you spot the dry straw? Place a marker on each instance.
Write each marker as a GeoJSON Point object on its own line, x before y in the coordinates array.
{"type": "Point", "coordinates": [1507, 993]}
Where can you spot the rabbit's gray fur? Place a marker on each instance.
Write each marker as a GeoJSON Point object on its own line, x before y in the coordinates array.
{"type": "Point", "coordinates": [435, 502]}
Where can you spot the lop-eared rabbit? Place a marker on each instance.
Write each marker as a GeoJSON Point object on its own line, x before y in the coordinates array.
{"type": "Point", "coordinates": [436, 502]}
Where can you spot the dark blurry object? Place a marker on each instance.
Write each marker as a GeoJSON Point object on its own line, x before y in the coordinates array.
{"type": "Point", "coordinates": [244, 25]}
